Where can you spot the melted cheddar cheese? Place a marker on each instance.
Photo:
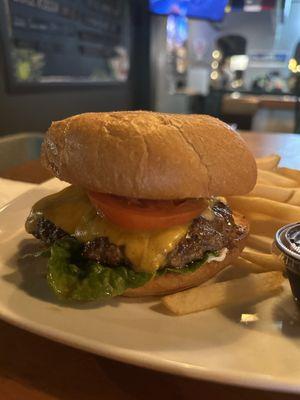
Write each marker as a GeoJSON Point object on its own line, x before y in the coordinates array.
{"type": "Point", "coordinates": [71, 210]}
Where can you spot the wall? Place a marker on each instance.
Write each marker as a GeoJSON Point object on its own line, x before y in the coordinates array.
{"type": "Point", "coordinates": [162, 100]}
{"type": "Point", "coordinates": [202, 35]}
{"type": "Point", "coordinates": [288, 34]}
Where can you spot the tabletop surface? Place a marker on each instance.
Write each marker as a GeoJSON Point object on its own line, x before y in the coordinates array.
{"type": "Point", "coordinates": [35, 368]}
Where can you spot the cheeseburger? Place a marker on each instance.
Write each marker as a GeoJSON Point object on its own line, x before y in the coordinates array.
{"type": "Point", "coordinates": [145, 212]}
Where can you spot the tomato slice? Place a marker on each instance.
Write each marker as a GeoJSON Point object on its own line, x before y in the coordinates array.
{"type": "Point", "coordinates": [137, 214]}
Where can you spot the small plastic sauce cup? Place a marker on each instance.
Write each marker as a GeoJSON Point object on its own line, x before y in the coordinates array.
{"type": "Point", "coordinates": [287, 240]}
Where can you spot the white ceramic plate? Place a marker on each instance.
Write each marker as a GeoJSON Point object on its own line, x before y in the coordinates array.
{"type": "Point", "coordinates": [213, 345]}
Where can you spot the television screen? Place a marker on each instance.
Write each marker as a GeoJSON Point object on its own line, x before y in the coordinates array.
{"type": "Point", "coordinates": [212, 10]}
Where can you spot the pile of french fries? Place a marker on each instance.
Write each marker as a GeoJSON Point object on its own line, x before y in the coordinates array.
{"type": "Point", "coordinates": [274, 202]}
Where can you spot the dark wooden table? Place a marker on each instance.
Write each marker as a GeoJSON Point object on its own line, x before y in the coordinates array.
{"type": "Point", "coordinates": [35, 368]}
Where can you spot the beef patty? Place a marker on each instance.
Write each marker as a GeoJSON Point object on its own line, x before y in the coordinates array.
{"type": "Point", "coordinates": [203, 235]}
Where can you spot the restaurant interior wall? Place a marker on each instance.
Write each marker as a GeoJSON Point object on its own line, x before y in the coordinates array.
{"type": "Point", "coordinates": [161, 98]}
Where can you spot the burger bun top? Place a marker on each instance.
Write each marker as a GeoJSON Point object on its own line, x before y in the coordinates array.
{"type": "Point", "coordinates": [150, 155]}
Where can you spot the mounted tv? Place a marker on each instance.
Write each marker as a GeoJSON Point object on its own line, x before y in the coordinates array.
{"type": "Point", "coordinates": [212, 10]}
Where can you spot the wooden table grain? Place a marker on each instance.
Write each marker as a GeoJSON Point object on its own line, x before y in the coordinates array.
{"type": "Point", "coordinates": [35, 368]}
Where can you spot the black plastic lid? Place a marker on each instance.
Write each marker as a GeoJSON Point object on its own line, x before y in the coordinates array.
{"type": "Point", "coordinates": [288, 240]}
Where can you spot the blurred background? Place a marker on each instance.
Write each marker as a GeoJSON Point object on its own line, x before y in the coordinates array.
{"type": "Point", "coordinates": [238, 60]}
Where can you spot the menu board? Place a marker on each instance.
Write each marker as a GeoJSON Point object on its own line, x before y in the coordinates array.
{"type": "Point", "coordinates": [65, 41]}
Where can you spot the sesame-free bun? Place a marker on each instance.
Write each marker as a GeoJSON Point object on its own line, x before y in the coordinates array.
{"type": "Point", "coordinates": [149, 155]}
{"type": "Point", "coordinates": [172, 282]}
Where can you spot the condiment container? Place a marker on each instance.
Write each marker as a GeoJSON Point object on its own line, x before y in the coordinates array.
{"type": "Point", "coordinates": [287, 240]}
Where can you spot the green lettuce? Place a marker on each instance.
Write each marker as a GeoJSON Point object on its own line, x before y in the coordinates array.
{"type": "Point", "coordinates": [73, 277]}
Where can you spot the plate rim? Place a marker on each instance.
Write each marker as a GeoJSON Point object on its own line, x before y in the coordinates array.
{"type": "Point", "coordinates": [146, 360]}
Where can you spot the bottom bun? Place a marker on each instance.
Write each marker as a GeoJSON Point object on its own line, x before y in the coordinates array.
{"type": "Point", "coordinates": [173, 282]}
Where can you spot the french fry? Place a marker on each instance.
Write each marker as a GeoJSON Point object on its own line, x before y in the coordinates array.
{"type": "Point", "coordinates": [274, 179]}
{"type": "Point", "coordinates": [295, 199]}
{"type": "Point", "coordinates": [275, 209]}
{"type": "Point", "coordinates": [268, 163]}
{"type": "Point", "coordinates": [260, 243]}
{"type": "Point", "coordinates": [261, 181]}
{"type": "Point", "coordinates": [266, 182]}
{"type": "Point", "coordinates": [269, 262]}
{"type": "Point", "coordinates": [251, 288]}
{"type": "Point", "coordinates": [276, 193]}
{"type": "Point", "coordinates": [289, 173]}
{"type": "Point", "coordinates": [248, 265]}
{"type": "Point", "coordinates": [261, 224]}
